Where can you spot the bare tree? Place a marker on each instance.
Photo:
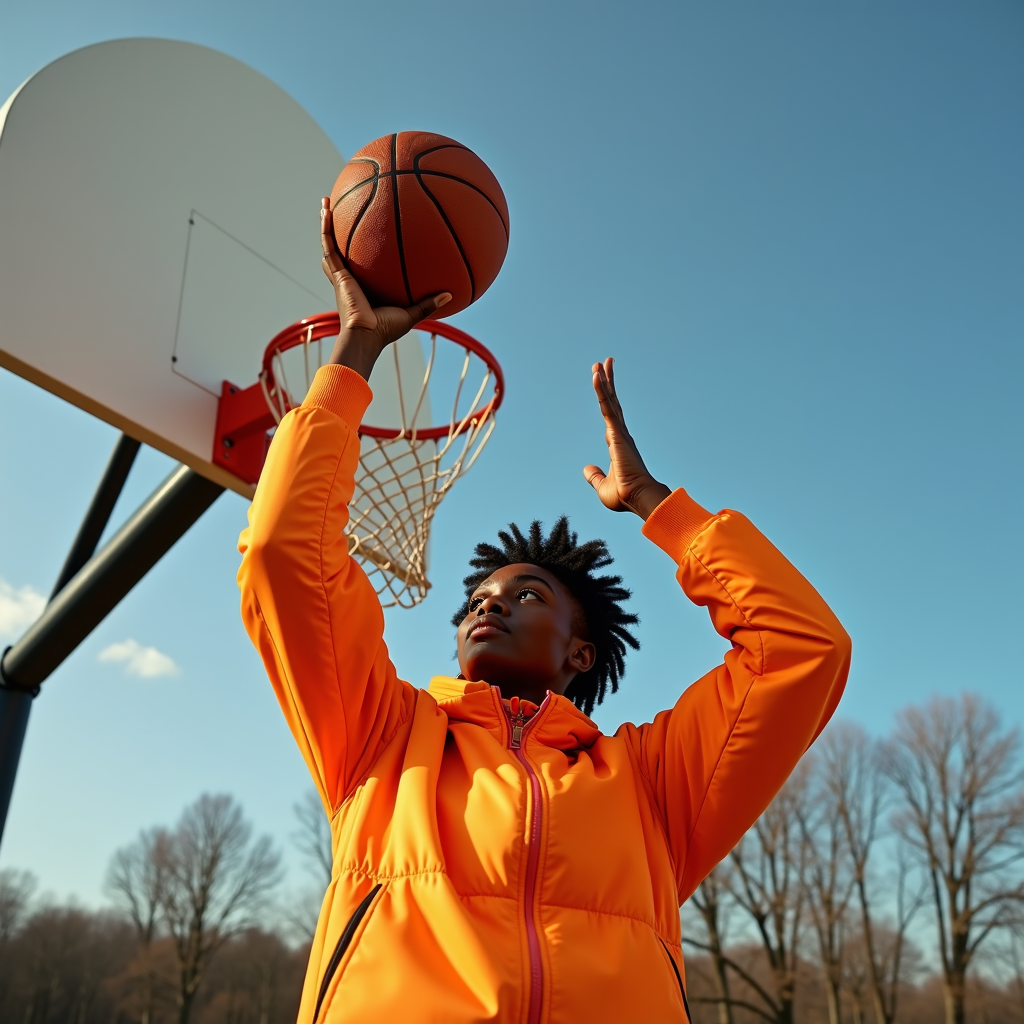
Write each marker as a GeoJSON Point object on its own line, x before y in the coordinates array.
{"type": "Point", "coordinates": [67, 953]}
{"type": "Point", "coordinates": [136, 882]}
{"type": "Point", "coordinates": [855, 977]}
{"type": "Point", "coordinates": [892, 945]}
{"type": "Point", "coordinates": [828, 879]}
{"type": "Point", "coordinates": [16, 888]}
{"type": "Point", "coordinates": [961, 810]}
{"type": "Point", "coordinates": [858, 792]}
{"type": "Point", "coordinates": [66, 965]}
{"type": "Point", "coordinates": [766, 880]}
{"type": "Point", "coordinates": [1017, 960]}
{"type": "Point", "coordinates": [709, 903]}
{"type": "Point", "coordinates": [253, 980]}
{"type": "Point", "coordinates": [217, 882]}
{"type": "Point", "coordinates": [313, 836]}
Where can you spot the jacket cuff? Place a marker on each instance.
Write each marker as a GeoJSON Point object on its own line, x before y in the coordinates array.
{"type": "Point", "coordinates": [341, 391]}
{"type": "Point", "coordinates": [675, 524]}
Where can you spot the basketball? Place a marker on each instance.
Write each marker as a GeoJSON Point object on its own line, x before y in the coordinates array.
{"type": "Point", "coordinates": [415, 214]}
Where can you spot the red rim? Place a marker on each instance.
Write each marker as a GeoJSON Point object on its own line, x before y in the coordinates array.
{"type": "Point", "coordinates": [327, 325]}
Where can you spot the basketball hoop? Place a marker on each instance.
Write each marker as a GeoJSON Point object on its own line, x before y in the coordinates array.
{"type": "Point", "coordinates": [407, 466]}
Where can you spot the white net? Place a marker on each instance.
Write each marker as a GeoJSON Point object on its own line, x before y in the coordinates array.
{"type": "Point", "coordinates": [402, 479]}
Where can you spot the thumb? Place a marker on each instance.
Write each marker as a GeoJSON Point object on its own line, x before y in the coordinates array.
{"type": "Point", "coordinates": [595, 476]}
{"type": "Point", "coordinates": [423, 309]}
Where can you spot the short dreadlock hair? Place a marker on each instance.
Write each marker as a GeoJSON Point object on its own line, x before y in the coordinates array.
{"type": "Point", "coordinates": [599, 597]}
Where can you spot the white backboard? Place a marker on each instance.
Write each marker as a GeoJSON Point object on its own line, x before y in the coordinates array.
{"type": "Point", "coordinates": [159, 225]}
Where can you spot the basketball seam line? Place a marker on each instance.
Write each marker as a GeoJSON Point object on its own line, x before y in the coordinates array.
{"type": "Point", "coordinates": [365, 181]}
{"type": "Point", "coordinates": [359, 217]}
{"type": "Point", "coordinates": [398, 216]}
{"type": "Point", "coordinates": [461, 181]}
{"type": "Point", "coordinates": [446, 145]}
{"type": "Point", "coordinates": [455, 237]}
{"type": "Point", "coordinates": [442, 174]}
{"type": "Point", "coordinates": [359, 220]}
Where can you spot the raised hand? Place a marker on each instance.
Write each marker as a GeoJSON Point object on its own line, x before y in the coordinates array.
{"type": "Point", "coordinates": [627, 486]}
{"type": "Point", "coordinates": [365, 332]}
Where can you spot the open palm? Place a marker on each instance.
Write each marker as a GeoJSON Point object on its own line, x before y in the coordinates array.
{"type": "Point", "coordinates": [628, 485]}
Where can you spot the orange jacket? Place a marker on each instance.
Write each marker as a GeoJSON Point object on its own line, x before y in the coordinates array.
{"type": "Point", "coordinates": [478, 881]}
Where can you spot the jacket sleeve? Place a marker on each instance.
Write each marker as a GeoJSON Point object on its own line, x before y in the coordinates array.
{"type": "Point", "coordinates": [715, 761]}
{"type": "Point", "coordinates": [307, 606]}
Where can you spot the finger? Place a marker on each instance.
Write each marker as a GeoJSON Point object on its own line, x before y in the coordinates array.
{"type": "Point", "coordinates": [610, 409]}
{"type": "Point", "coordinates": [599, 390]}
{"type": "Point", "coordinates": [394, 323]}
{"type": "Point", "coordinates": [328, 243]}
{"type": "Point", "coordinates": [594, 475]}
{"type": "Point", "coordinates": [423, 309]}
{"type": "Point", "coordinates": [353, 307]}
{"type": "Point", "coordinates": [609, 372]}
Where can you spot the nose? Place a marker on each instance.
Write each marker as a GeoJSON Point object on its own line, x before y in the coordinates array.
{"type": "Point", "coordinates": [494, 604]}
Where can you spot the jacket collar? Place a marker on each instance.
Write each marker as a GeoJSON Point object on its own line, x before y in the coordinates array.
{"type": "Point", "coordinates": [559, 723]}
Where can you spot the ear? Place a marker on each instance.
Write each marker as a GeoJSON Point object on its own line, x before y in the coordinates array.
{"type": "Point", "coordinates": [582, 654]}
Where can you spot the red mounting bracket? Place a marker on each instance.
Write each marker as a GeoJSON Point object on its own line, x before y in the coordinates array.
{"type": "Point", "coordinates": [240, 440]}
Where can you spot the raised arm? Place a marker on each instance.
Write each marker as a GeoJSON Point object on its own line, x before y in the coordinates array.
{"type": "Point", "coordinates": [714, 762]}
{"type": "Point", "coordinates": [307, 606]}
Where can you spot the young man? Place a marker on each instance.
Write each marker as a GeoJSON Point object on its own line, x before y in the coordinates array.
{"type": "Point", "coordinates": [496, 858]}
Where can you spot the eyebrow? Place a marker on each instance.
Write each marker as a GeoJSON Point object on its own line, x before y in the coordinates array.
{"type": "Point", "coordinates": [519, 577]}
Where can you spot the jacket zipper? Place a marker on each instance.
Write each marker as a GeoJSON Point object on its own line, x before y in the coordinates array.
{"type": "Point", "coordinates": [679, 978]}
{"type": "Point", "coordinates": [519, 724]}
{"type": "Point", "coordinates": [343, 943]}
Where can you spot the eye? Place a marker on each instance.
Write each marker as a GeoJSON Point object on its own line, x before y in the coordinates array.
{"type": "Point", "coordinates": [526, 594]}
{"type": "Point", "coordinates": [475, 603]}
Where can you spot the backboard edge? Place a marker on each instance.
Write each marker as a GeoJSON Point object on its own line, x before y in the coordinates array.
{"type": "Point", "coordinates": [122, 423]}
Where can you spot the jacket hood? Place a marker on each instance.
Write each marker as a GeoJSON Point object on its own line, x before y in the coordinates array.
{"type": "Point", "coordinates": [560, 724]}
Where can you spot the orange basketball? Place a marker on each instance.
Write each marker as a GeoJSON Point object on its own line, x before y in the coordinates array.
{"type": "Point", "coordinates": [415, 214]}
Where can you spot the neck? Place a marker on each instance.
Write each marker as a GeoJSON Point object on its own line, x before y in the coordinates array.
{"type": "Point", "coordinates": [537, 694]}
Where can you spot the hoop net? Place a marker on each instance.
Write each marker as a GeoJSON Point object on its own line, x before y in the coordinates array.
{"type": "Point", "coordinates": [407, 466]}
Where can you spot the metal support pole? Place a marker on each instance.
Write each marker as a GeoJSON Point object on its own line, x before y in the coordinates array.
{"type": "Point", "coordinates": [15, 706]}
{"type": "Point", "coordinates": [89, 597]}
{"type": "Point", "coordinates": [98, 515]}
{"type": "Point", "coordinates": [110, 574]}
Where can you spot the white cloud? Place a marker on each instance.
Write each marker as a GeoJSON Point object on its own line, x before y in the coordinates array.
{"type": "Point", "coordinates": [146, 662]}
{"type": "Point", "coordinates": [19, 608]}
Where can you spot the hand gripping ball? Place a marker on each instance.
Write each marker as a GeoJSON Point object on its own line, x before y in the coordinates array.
{"type": "Point", "coordinates": [415, 214]}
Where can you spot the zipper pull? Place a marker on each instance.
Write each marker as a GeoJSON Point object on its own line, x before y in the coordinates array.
{"type": "Point", "coordinates": [517, 721]}
{"type": "Point", "coordinates": [517, 730]}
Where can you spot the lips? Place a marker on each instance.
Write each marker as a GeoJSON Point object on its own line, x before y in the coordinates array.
{"type": "Point", "coordinates": [487, 626]}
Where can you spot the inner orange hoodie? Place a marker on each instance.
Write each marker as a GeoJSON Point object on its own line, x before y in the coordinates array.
{"type": "Point", "coordinates": [527, 868]}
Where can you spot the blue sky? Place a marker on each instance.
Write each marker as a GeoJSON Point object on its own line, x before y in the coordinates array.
{"type": "Point", "coordinates": [799, 228]}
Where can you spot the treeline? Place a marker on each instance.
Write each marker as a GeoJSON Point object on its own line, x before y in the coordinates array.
{"type": "Point", "coordinates": [187, 938]}
{"type": "Point", "coordinates": [884, 885]}
{"type": "Point", "coordinates": [69, 965]}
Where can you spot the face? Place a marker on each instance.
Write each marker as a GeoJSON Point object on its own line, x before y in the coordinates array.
{"type": "Point", "coordinates": [521, 634]}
